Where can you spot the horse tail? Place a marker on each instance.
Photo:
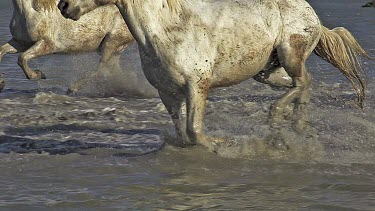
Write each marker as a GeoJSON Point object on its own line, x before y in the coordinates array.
{"type": "Point", "coordinates": [341, 49]}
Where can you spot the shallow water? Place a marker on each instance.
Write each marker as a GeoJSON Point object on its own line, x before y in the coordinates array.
{"type": "Point", "coordinates": [59, 152]}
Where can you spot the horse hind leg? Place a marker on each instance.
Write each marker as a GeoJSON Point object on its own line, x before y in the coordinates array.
{"type": "Point", "coordinates": [293, 55]}
{"type": "Point", "coordinates": [10, 47]}
{"type": "Point", "coordinates": [40, 48]}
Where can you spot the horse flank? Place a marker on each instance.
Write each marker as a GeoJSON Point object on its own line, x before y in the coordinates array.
{"type": "Point", "coordinates": [46, 5]}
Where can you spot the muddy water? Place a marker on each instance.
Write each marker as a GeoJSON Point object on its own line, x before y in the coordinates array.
{"type": "Point", "coordinates": [59, 152]}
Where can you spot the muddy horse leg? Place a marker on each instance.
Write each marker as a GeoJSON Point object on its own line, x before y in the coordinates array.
{"type": "Point", "coordinates": [196, 95]}
{"type": "Point", "coordinates": [293, 58]}
{"type": "Point", "coordinates": [11, 47]}
{"type": "Point", "coordinates": [110, 51]}
{"type": "Point", "coordinates": [40, 48]}
{"type": "Point", "coordinates": [176, 106]}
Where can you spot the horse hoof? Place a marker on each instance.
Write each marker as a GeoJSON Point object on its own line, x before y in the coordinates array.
{"type": "Point", "coordinates": [177, 141]}
{"type": "Point", "coordinates": [276, 121]}
{"type": "Point", "coordinates": [277, 141]}
{"type": "Point", "coordinates": [212, 143]}
{"type": "Point", "coordinates": [71, 92]}
{"type": "Point", "coordinates": [300, 126]}
{"type": "Point", "coordinates": [2, 83]}
{"type": "Point", "coordinates": [40, 75]}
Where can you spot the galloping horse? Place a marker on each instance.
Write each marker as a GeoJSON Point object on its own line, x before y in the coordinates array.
{"type": "Point", "coordinates": [190, 46]}
{"type": "Point", "coordinates": [39, 29]}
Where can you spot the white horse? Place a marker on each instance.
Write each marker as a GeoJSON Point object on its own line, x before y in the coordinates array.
{"type": "Point", "coordinates": [190, 46]}
{"type": "Point", "coordinates": [38, 29]}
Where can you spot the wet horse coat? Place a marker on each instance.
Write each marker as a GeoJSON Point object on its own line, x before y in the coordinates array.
{"type": "Point", "coordinates": [190, 46]}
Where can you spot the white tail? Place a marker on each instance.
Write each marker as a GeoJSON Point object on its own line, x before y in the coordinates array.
{"type": "Point", "coordinates": [341, 49]}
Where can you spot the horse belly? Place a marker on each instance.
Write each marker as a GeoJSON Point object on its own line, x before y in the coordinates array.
{"type": "Point", "coordinates": [243, 49]}
{"type": "Point", "coordinates": [19, 29]}
{"type": "Point", "coordinates": [78, 45]}
{"type": "Point", "coordinates": [241, 66]}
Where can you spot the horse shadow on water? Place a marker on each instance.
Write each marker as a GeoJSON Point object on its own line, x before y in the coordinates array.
{"type": "Point", "coordinates": [19, 140]}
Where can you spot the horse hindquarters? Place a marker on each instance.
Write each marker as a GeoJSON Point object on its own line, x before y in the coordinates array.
{"type": "Point", "coordinates": [300, 33]}
{"type": "Point", "coordinates": [294, 63]}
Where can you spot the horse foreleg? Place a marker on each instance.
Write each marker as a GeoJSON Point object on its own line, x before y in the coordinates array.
{"type": "Point", "coordinates": [111, 56]}
{"type": "Point", "coordinates": [110, 52]}
{"type": "Point", "coordinates": [196, 96]}
{"type": "Point", "coordinates": [176, 106]}
{"type": "Point", "coordinates": [112, 47]}
{"type": "Point", "coordinates": [40, 48]}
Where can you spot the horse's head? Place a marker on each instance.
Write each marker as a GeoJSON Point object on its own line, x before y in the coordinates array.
{"type": "Point", "coordinates": [74, 9]}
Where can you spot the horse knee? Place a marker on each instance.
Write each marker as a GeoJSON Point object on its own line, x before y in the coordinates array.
{"type": "Point", "coordinates": [22, 60]}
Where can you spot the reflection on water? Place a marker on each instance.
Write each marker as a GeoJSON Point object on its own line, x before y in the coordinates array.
{"type": "Point", "coordinates": [61, 152]}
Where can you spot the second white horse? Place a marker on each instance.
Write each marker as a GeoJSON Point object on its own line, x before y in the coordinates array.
{"type": "Point", "coordinates": [38, 29]}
